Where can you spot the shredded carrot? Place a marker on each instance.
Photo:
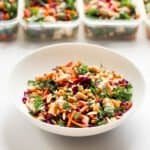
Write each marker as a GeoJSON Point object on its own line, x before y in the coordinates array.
{"type": "Point", "coordinates": [84, 108]}
{"type": "Point", "coordinates": [70, 117]}
{"type": "Point", "coordinates": [79, 124]}
{"type": "Point", "coordinates": [45, 92]}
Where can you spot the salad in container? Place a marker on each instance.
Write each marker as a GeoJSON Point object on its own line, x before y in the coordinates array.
{"type": "Point", "coordinates": [111, 19]}
{"type": "Point", "coordinates": [147, 16]}
{"type": "Point", "coordinates": [50, 19]}
{"type": "Point", "coordinates": [8, 19]}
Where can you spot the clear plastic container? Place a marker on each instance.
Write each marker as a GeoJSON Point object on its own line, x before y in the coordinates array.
{"type": "Point", "coordinates": [9, 28]}
{"type": "Point", "coordinates": [111, 29]}
{"type": "Point", "coordinates": [49, 31]}
{"type": "Point", "coordinates": [146, 20]}
{"type": "Point", "coordinates": [147, 26]}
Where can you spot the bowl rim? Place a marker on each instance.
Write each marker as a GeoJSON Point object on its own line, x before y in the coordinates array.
{"type": "Point", "coordinates": [112, 124]}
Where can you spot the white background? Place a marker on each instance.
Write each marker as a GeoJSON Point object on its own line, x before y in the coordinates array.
{"type": "Point", "coordinates": [18, 134]}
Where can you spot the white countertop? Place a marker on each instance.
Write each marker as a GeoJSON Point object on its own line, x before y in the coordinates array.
{"type": "Point", "coordinates": [18, 134]}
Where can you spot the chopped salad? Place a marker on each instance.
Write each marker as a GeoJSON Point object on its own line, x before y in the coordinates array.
{"type": "Point", "coordinates": [110, 9]}
{"type": "Point", "coordinates": [78, 95]}
{"type": "Point", "coordinates": [50, 10]}
{"type": "Point", "coordinates": [8, 9]}
{"type": "Point", "coordinates": [147, 6]}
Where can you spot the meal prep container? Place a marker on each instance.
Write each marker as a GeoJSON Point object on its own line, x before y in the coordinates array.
{"type": "Point", "coordinates": [9, 28]}
{"type": "Point", "coordinates": [146, 20]}
{"type": "Point", "coordinates": [111, 29]}
{"type": "Point", "coordinates": [147, 26]}
{"type": "Point", "coordinates": [45, 30]}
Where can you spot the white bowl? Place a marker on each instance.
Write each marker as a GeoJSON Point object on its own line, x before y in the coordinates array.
{"type": "Point", "coordinates": [46, 58]}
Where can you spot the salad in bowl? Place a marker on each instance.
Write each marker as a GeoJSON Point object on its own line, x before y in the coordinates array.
{"type": "Point", "coordinates": [78, 95]}
{"type": "Point", "coordinates": [64, 89]}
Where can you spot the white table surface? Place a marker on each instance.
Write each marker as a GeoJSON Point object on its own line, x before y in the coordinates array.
{"type": "Point", "coordinates": [18, 134]}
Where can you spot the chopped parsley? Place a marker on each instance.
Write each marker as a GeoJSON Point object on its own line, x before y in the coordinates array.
{"type": "Point", "coordinates": [61, 123]}
{"type": "Point", "coordinates": [123, 93]}
{"type": "Point", "coordinates": [38, 103]}
{"type": "Point", "coordinates": [83, 69]}
{"type": "Point", "coordinates": [66, 106]}
{"type": "Point", "coordinates": [77, 115]}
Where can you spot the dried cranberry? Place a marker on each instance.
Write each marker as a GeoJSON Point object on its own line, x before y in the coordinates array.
{"type": "Point", "coordinates": [75, 89]}
{"type": "Point", "coordinates": [24, 99]}
{"type": "Point", "coordinates": [48, 117]}
{"type": "Point", "coordinates": [123, 82]}
{"type": "Point", "coordinates": [126, 105]}
{"type": "Point", "coordinates": [84, 81]}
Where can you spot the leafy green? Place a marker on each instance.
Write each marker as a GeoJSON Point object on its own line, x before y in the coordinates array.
{"type": "Point", "coordinates": [124, 15]}
{"type": "Point", "coordinates": [11, 8]}
{"type": "Point", "coordinates": [77, 115]}
{"type": "Point", "coordinates": [100, 114]}
{"type": "Point", "coordinates": [61, 123]}
{"type": "Point", "coordinates": [93, 12]}
{"type": "Point", "coordinates": [31, 83]}
{"type": "Point", "coordinates": [66, 106]}
{"type": "Point", "coordinates": [83, 69]}
{"type": "Point", "coordinates": [38, 103]}
{"type": "Point", "coordinates": [7, 6]}
{"type": "Point", "coordinates": [34, 11]}
{"type": "Point", "coordinates": [104, 93]}
{"type": "Point", "coordinates": [93, 88]}
{"type": "Point", "coordinates": [125, 2]}
{"type": "Point", "coordinates": [101, 122]}
{"type": "Point", "coordinates": [50, 84]}
{"type": "Point", "coordinates": [109, 110]}
{"type": "Point", "coordinates": [70, 4]}
{"type": "Point", "coordinates": [131, 6]}
{"type": "Point", "coordinates": [123, 93]}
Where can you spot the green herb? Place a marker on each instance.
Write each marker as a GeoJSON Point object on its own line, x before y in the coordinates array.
{"type": "Point", "coordinates": [124, 16]}
{"type": "Point", "coordinates": [93, 88]}
{"type": "Point", "coordinates": [132, 9]}
{"type": "Point", "coordinates": [34, 11]}
{"type": "Point", "coordinates": [131, 6]}
{"type": "Point", "coordinates": [31, 83]}
{"type": "Point", "coordinates": [93, 12]}
{"type": "Point", "coordinates": [61, 123]}
{"type": "Point", "coordinates": [51, 85]}
{"type": "Point", "coordinates": [83, 69]}
{"type": "Point", "coordinates": [70, 4]}
{"type": "Point", "coordinates": [8, 6]}
{"type": "Point", "coordinates": [100, 114]}
{"type": "Point", "coordinates": [77, 115]}
{"type": "Point", "coordinates": [123, 93]}
{"type": "Point", "coordinates": [101, 122]}
{"type": "Point", "coordinates": [11, 8]}
{"type": "Point", "coordinates": [125, 2]}
{"type": "Point", "coordinates": [38, 103]}
{"type": "Point", "coordinates": [104, 93]}
{"type": "Point", "coordinates": [109, 111]}
{"type": "Point", "coordinates": [66, 106]}
{"type": "Point", "coordinates": [38, 19]}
